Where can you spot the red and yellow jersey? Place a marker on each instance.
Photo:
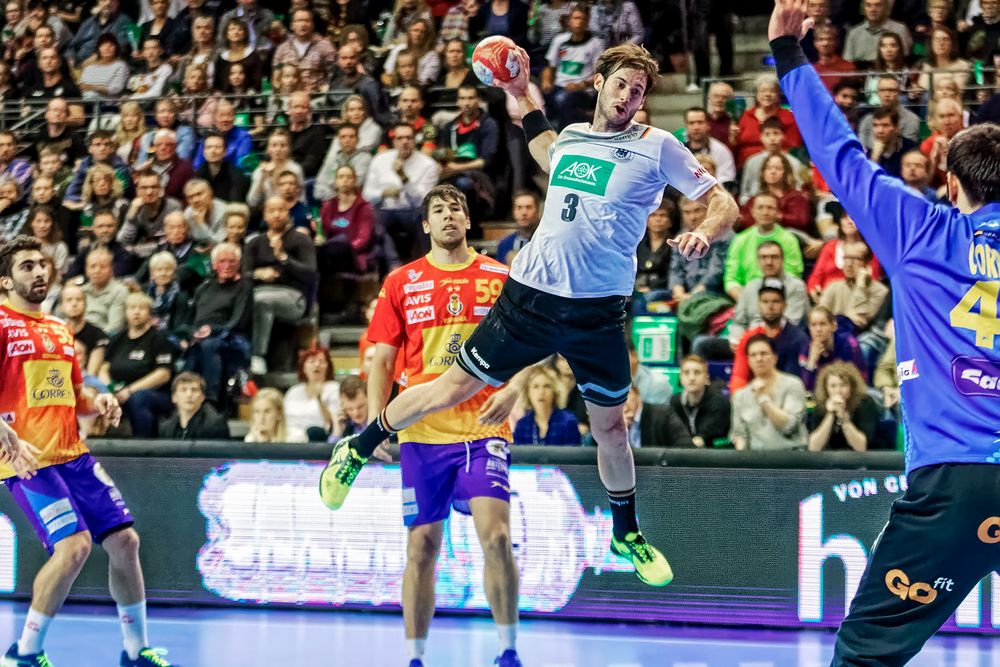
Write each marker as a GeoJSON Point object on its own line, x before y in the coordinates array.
{"type": "Point", "coordinates": [38, 376]}
{"type": "Point", "coordinates": [428, 310]}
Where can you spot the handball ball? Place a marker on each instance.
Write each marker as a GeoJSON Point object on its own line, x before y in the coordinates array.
{"type": "Point", "coordinates": [495, 59]}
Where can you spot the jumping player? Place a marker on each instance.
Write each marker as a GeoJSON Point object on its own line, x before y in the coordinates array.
{"type": "Point", "coordinates": [459, 457]}
{"type": "Point", "coordinates": [568, 287]}
{"type": "Point", "coordinates": [944, 261]}
{"type": "Point", "coordinates": [69, 500]}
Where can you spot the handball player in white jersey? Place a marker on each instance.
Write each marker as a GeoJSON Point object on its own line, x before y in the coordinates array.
{"type": "Point", "coordinates": [568, 286]}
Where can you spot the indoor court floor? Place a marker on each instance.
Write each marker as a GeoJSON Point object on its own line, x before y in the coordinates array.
{"type": "Point", "coordinates": [88, 636]}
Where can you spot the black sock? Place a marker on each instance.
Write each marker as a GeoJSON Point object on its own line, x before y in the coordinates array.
{"type": "Point", "coordinates": [374, 434]}
{"type": "Point", "coordinates": [623, 516]}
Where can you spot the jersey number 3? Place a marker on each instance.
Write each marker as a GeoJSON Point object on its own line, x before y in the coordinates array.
{"type": "Point", "coordinates": [569, 211]}
{"type": "Point", "coordinates": [984, 323]}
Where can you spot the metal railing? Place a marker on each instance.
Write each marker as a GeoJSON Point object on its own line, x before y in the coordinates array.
{"type": "Point", "coordinates": [982, 82]}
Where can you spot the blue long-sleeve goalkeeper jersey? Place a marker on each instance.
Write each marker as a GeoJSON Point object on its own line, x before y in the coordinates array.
{"type": "Point", "coordinates": [945, 271]}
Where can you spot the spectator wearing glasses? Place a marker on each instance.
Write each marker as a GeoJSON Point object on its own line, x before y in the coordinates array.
{"type": "Point", "coordinates": [888, 95]}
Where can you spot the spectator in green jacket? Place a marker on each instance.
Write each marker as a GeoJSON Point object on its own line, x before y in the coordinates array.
{"type": "Point", "coordinates": [741, 261]}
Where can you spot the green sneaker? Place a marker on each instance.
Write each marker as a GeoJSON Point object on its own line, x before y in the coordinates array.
{"type": "Point", "coordinates": [650, 565]}
{"type": "Point", "coordinates": [339, 474]}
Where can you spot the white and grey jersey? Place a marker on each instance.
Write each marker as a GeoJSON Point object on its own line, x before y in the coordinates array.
{"type": "Point", "coordinates": [602, 188]}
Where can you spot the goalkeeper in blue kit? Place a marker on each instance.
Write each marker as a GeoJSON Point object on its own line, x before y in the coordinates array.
{"type": "Point", "coordinates": [943, 535]}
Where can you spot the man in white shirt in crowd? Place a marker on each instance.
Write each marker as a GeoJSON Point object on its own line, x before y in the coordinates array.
{"type": "Point", "coordinates": [700, 141]}
{"type": "Point", "coordinates": [568, 79]}
{"type": "Point", "coordinates": [398, 180]}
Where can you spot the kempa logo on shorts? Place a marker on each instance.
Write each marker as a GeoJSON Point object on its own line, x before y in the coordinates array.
{"type": "Point", "coordinates": [583, 173]}
{"type": "Point", "coordinates": [899, 585]}
{"type": "Point", "coordinates": [20, 348]}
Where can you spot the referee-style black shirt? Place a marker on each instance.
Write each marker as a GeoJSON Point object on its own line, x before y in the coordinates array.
{"type": "Point", "coordinates": [134, 359]}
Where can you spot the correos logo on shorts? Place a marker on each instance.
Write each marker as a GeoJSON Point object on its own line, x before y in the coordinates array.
{"type": "Point", "coordinates": [976, 377]}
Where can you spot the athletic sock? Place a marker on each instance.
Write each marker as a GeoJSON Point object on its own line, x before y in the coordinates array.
{"type": "Point", "coordinates": [33, 635]}
{"type": "Point", "coordinates": [133, 620]}
{"type": "Point", "coordinates": [416, 648]}
{"type": "Point", "coordinates": [508, 636]}
{"type": "Point", "coordinates": [623, 517]}
{"type": "Point", "coordinates": [374, 434]}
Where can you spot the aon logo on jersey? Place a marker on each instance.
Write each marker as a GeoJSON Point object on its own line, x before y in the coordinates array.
{"type": "Point", "coordinates": [587, 174]}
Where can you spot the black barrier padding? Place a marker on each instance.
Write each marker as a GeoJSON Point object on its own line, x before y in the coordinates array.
{"type": "Point", "coordinates": [527, 455]}
{"type": "Point", "coordinates": [736, 539]}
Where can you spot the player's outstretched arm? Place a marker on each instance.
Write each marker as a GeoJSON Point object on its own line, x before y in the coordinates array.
{"type": "Point", "coordinates": [723, 211]}
{"type": "Point", "coordinates": [537, 129]}
{"type": "Point", "coordinates": [889, 215]}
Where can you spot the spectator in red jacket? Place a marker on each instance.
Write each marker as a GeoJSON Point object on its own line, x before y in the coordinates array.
{"type": "Point", "coordinates": [830, 65]}
{"type": "Point", "coordinates": [776, 178]}
{"type": "Point", "coordinates": [174, 172]}
{"type": "Point", "coordinates": [348, 227]}
{"type": "Point", "coordinates": [830, 263]}
{"type": "Point", "coordinates": [767, 103]}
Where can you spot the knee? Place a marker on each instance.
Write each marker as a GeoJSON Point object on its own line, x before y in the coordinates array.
{"type": "Point", "coordinates": [610, 430]}
{"type": "Point", "coordinates": [74, 550]}
{"type": "Point", "coordinates": [496, 543]}
{"type": "Point", "coordinates": [123, 545]}
{"type": "Point", "coordinates": [422, 549]}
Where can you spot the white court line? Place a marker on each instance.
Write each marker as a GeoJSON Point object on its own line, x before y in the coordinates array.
{"type": "Point", "coordinates": [461, 631]}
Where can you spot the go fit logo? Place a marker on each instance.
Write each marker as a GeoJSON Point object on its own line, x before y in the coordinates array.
{"type": "Point", "coordinates": [899, 584]}
{"type": "Point", "coordinates": [989, 530]}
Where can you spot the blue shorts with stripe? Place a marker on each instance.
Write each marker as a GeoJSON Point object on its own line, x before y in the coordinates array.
{"type": "Point", "coordinates": [527, 325]}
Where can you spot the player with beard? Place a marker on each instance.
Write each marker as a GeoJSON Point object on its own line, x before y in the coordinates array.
{"type": "Point", "coordinates": [67, 497]}
{"type": "Point", "coordinates": [458, 457]}
{"type": "Point", "coordinates": [568, 287]}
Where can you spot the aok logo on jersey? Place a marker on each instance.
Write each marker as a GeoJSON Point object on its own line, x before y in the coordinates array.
{"type": "Point", "coordinates": [587, 174]}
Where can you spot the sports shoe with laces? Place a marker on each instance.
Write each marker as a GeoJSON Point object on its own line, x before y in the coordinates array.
{"type": "Point", "coordinates": [508, 659]}
{"type": "Point", "coordinates": [148, 657]}
{"type": "Point", "coordinates": [416, 662]}
{"type": "Point", "coordinates": [15, 659]}
{"type": "Point", "coordinates": [339, 474]}
{"type": "Point", "coordinates": [650, 565]}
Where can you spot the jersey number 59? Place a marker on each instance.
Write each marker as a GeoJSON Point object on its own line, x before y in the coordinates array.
{"type": "Point", "coordinates": [984, 323]}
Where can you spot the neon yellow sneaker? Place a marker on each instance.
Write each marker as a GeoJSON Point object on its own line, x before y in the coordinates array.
{"type": "Point", "coordinates": [650, 565]}
{"type": "Point", "coordinates": [339, 474]}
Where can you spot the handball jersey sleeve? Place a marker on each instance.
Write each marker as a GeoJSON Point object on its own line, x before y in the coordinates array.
{"type": "Point", "coordinates": [945, 271]}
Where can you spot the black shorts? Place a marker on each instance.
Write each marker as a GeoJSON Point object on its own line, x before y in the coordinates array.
{"type": "Point", "coordinates": [526, 325]}
{"type": "Point", "coordinates": [942, 538]}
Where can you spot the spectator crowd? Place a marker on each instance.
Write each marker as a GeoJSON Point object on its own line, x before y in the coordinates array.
{"type": "Point", "coordinates": [213, 179]}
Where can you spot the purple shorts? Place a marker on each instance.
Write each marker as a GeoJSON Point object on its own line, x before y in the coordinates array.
{"type": "Point", "coordinates": [69, 498]}
{"type": "Point", "coordinates": [439, 477]}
